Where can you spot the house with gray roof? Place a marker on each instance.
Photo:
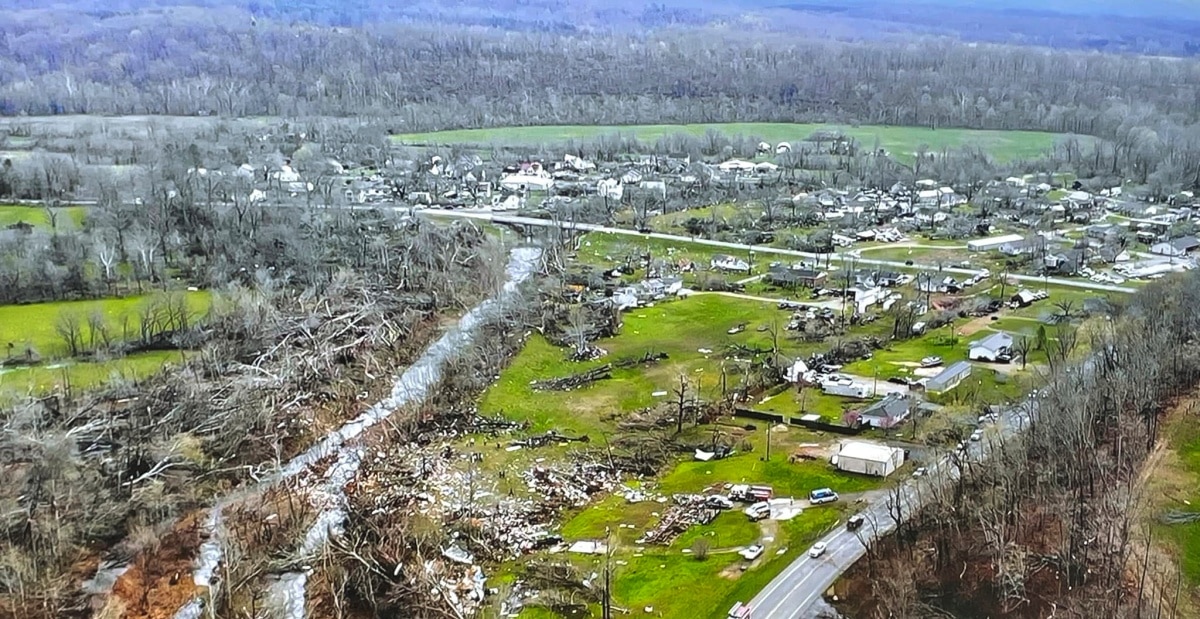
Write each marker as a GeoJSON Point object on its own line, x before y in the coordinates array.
{"type": "Point", "coordinates": [994, 347]}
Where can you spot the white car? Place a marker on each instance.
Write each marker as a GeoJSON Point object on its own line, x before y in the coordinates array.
{"type": "Point", "coordinates": [817, 550]}
{"type": "Point", "coordinates": [976, 435]}
{"type": "Point", "coordinates": [752, 553]}
{"type": "Point", "coordinates": [920, 472]}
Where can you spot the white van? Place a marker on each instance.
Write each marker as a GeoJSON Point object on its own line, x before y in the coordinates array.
{"type": "Point", "coordinates": [823, 495]}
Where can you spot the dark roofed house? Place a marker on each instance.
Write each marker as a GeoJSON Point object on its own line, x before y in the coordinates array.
{"type": "Point", "coordinates": [791, 277]}
{"type": "Point", "coordinates": [886, 413]}
{"type": "Point", "coordinates": [22, 227]}
{"type": "Point", "coordinates": [1175, 247]}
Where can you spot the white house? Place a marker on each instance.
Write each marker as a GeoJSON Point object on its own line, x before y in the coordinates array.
{"type": "Point", "coordinates": [991, 348]}
{"type": "Point", "coordinates": [527, 182]}
{"type": "Point", "coordinates": [723, 262]}
{"type": "Point", "coordinates": [995, 242]}
{"type": "Point", "coordinates": [868, 458]}
{"type": "Point", "coordinates": [1175, 247]}
{"type": "Point", "coordinates": [736, 165]}
{"type": "Point", "coordinates": [845, 388]}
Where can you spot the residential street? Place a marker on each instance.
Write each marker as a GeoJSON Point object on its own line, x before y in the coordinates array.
{"type": "Point", "coordinates": [487, 215]}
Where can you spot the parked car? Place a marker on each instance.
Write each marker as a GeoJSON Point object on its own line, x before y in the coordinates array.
{"type": "Point", "coordinates": [753, 552]}
{"type": "Point", "coordinates": [920, 472]}
{"type": "Point", "coordinates": [822, 495]}
{"type": "Point", "coordinates": [854, 522]}
{"type": "Point", "coordinates": [976, 435]}
{"type": "Point", "coordinates": [817, 550]}
{"type": "Point", "coordinates": [758, 511]}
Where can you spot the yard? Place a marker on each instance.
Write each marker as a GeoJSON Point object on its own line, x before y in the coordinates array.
{"type": "Point", "coordinates": [901, 142]}
{"type": "Point", "coordinates": [40, 217]}
{"type": "Point", "coordinates": [610, 250]}
{"type": "Point", "coordinates": [678, 328]}
{"type": "Point", "coordinates": [36, 324]}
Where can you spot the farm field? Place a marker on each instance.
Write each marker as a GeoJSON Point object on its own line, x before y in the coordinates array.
{"type": "Point", "coordinates": [902, 142]}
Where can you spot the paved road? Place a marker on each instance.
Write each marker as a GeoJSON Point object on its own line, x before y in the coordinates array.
{"type": "Point", "coordinates": [487, 215]}
{"type": "Point", "coordinates": [797, 592]}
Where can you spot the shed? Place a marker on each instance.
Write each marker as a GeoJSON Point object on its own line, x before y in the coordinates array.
{"type": "Point", "coordinates": [868, 458]}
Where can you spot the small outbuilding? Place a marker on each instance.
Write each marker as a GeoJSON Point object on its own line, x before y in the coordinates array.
{"type": "Point", "coordinates": [868, 458]}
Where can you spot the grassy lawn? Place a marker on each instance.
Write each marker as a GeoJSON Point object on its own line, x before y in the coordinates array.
{"type": "Point", "coordinates": [949, 256]}
{"type": "Point", "coordinates": [68, 216]}
{"type": "Point", "coordinates": [673, 222]}
{"type": "Point", "coordinates": [661, 578]}
{"type": "Point", "coordinates": [1175, 485]}
{"type": "Point", "coordinates": [794, 403]}
{"type": "Point", "coordinates": [34, 324]}
{"type": "Point", "coordinates": [677, 328]}
{"type": "Point", "coordinates": [901, 142]}
{"type": "Point", "coordinates": [900, 358]}
{"type": "Point", "coordinates": [87, 375]}
{"type": "Point", "coordinates": [610, 250]}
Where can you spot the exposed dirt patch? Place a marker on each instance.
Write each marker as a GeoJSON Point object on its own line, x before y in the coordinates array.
{"type": "Point", "coordinates": [159, 582]}
{"type": "Point", "coordinates": [975, 325]}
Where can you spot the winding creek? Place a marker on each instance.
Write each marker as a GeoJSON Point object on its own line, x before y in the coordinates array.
{"type": "Point", "coordinates": [286, 595]}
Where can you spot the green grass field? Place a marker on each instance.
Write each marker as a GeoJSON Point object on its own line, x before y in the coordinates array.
{"type": "Point", "coordinates": [678, 328]}
{"type": "Point", "coordinates": [38, 217]}
{"type": "Point", "coordinates": [86, 375]}
{"type": "Point", "coordinates": [609, 250]}
{"type": "Point", "coordinates": [901, 142]}
{"type": "Point", "coordinates": [1174, 487]}
{"type": "Point", "coordinates": [35, 324]}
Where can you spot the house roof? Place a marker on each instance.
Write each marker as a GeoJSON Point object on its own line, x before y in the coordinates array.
{"type": "Point", "coordinates": [894, 405]}
{"type": "Point", "coordinates": [954, 371]}
{"type": "Point", "coordinates": [995, 341]}
{"type": "Point", "coordinates": [872, 452]}
{"type": "Point", "coordinates": [1185, 242]}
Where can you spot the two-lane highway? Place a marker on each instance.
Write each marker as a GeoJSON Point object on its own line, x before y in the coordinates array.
{"type": "Point", "coordinates": [795, 592]}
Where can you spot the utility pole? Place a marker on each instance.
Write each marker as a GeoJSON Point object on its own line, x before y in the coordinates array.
{"type": "Point", "coordinates": [606, 602]}
{"type": "Point", "coordinates": [767, 457]}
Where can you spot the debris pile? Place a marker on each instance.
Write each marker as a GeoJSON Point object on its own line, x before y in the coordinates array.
{"type": "Point", "coordinates": [548, 438]}
{"type": "Point", "coordinates": [572, 488]}
{"type": "Point", "coordinates": [688, 511]}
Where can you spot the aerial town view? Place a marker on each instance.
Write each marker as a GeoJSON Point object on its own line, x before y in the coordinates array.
{"type": "Point", "coordinates": [526, 309]}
